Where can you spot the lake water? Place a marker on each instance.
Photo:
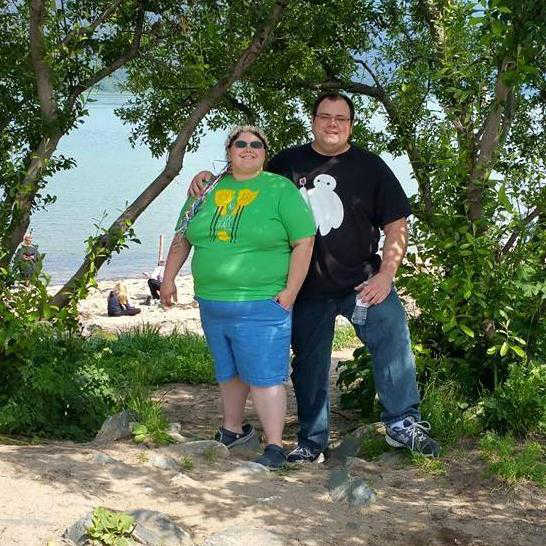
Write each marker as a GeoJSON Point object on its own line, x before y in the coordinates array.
{"type": "Point", "coordinates": [109, 175]}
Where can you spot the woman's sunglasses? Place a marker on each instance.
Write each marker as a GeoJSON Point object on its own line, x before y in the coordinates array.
{"type": "Point", "coordinates": [256, 144]}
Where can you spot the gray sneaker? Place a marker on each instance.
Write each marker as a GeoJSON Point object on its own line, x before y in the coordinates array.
{"type": "Point", "coordinates": [413, 434]}
{"type": "Point", "coordinates": [303, 454]}
{"type": "Point", "coordinates": [232, 439]}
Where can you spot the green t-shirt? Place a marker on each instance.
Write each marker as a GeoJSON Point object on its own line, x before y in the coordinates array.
{"type": "Point", "coordinates": [241, 237]}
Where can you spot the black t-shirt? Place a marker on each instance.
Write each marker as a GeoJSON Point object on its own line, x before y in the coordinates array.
{"type": "Point", "coordinates": [352, 195]}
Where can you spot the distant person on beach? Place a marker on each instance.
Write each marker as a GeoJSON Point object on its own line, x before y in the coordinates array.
{"type": "Point", "coordinates": [154, 282]}
{"type": "Point", "coordinates": [252, 235]}
{"type": "Point", "coordinates": [118, 302]}
{"type": "Point", "coordinates": [27, 261]}
{"type": "Point", "coordinates": [354, 197]}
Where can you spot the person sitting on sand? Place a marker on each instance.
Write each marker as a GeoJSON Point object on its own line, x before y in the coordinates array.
{"type": "Point", "coordinates": [154, 282]}
{"type": "Point", "coordinates": [118, 302]}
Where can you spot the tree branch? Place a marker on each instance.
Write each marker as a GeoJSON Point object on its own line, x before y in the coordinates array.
{"type": "Point", "coordinates": [491, 134]}
{"type": "Point", "coordinates": [515, 234]}
{"type": "Point", "coordinates": [251, 115]}
{"type": "Point", "coordinates": [105, 245]}
{"type": "Point", "coordinates": [90, 29]}
{"type": "Point", "coordinates": [118, 63]}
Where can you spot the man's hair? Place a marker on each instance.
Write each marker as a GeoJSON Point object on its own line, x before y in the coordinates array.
{"type": "Point", "coordinates": [335, 96]}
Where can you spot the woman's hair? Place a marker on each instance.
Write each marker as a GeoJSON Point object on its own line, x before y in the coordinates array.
{"type": "Point", "coordinates": [234, 135]}
{"type": "Point", "coordinates": [121, 292]}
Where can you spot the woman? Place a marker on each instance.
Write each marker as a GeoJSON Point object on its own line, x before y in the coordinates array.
{"type": "Point", "coordinates": [253, 238]}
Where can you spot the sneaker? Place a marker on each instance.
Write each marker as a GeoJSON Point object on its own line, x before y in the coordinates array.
{"type": "Point", "coordinates": [232, 439]}
{"type": "Point", "coordinates": [303, 454]}
{"type": "Point", "coordinates": [412, 434]}
{"type": "Point", "coordinates": [273, 457]}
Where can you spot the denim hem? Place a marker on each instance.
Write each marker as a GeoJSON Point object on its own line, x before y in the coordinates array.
{"type": "Point", "coordinates": [389, 422]}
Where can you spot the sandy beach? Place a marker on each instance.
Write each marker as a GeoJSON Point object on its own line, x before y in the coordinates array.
{"type": "Point", "coordinates": [184, 315]}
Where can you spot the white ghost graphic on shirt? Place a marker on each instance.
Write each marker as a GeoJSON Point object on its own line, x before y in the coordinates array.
{"type": "Point", "coordinates": [326, 205]}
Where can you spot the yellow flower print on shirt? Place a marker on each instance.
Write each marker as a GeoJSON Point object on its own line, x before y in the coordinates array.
{"type": "Point", "coordinates": [222, 198]}
{"type": "Point", "coordinates": [244, 198]}
{"type": "Point", "coordinates": [223, 235]}
{"type": "Point", "coordinates": [227, 217]}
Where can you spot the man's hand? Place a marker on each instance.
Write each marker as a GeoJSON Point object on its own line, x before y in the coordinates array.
{"type": "Point", "coordinates": [167, 294]}
{"type": "Point", "coordinates": [198, 183]}
{"type": "Point", "coordinates": [376, 289]}
{"type": "Point", "coordinates": [285, 298]}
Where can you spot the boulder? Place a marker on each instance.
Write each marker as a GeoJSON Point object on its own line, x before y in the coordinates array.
{"type": "Point", "coordinates": [115, 428]}
{"type": "Point", "coordinates": [151, 529]}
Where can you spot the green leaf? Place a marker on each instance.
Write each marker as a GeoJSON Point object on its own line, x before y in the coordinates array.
{"type": "Point", "coordinates": [491, 350]}
{"type": "Point", "coordinates": [503, 199]}
{"type": "Point", "coordinates": [518, 350]}
{"type": "Point", "coordinates": [504, 349]}
{"type": "Point", "coordinates": [466, 330]}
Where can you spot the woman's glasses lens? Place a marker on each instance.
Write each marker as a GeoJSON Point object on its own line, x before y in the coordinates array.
{"type": "Point", "coordinates": [256, 144]}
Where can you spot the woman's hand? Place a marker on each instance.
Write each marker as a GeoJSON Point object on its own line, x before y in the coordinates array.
{"type": "Point", "coordinates": [286, 298]}
{"type": "Point", "coordinates": [167, 293]}
{"type": "Point", "coordinates": [198, 183]}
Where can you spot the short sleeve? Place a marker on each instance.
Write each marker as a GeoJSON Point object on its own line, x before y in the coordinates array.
{"type": "Point", "coordinates": [187, 205]}
{"type": "Point", "coordinates": [295, 214]}
{"type": "Point", "coordinates": [391, 202]}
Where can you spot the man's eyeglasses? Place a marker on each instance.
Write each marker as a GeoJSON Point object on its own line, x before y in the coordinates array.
{"type": "Point", "coordinates": [329, 117]}
{"type": "Point", "coordinates": [256, 144]}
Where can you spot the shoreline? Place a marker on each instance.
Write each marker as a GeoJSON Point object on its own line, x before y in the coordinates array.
{"type": "Point", "coordinates": [184, 315]}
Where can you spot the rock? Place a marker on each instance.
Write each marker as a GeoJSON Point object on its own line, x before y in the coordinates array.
{"type": "Point", "coordinates": [115, 428]}
{"type": "Point", "coordinates": [77, 532]}
{"type": "Point", "coordinates": [174, 428]}
{"type": "Point", "coordinates": [155, 529]}
{"type": "Point", "coordinates": [349, 447]}
{"type": "Point", "coordinates": [344, 488]}
{"type": "Point", "coordinates": [151, 529]}
{"type": "Point", "coordinates": [178, 438]}
{"type": "Point", "coordinates": [392, 458]}
{"type": "Point", "coordinates": [235, 536]}
{"type": "Point", "coordinates": [246, 469]}
{"type": "Point", "coordinates": [164, 462]}
{"type": "Point", "coordinates": [360, 466]}
{"type": "Point", "coordinates": [183, 480]}
{"type": "Point", "coordinates": [102, 458]}
{"type": "Point", "coordinates": [201, 448]}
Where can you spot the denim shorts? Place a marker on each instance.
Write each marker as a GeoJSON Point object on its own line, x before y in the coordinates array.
{"type": "Point", "coordinates": [248, 339]}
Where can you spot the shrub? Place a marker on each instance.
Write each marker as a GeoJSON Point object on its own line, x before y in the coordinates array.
{"type": "Point", "coordinates": [344, 337]}
{"type": "Point", "coordinates": [511, 462]}
{"type": "Point", "coordinates": [357, 384]}
{"type": "Point", "coordinates": [519, 405]}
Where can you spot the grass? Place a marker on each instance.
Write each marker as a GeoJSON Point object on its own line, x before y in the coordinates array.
{"type": "Point", "coordinates": [186, 463]}
{"type": "Point", "coordinates": [512, 462]}
{"type": "Point", "coordinates": [449, 416]}
{"type": "Point", "coordinates": [210, 455]}
{"type": "Point", "coordinates": [345, 337]}
{"type": "Point", "coordinates": [373, 445]}
{"type": "Point", "coordinates": [428, 465]}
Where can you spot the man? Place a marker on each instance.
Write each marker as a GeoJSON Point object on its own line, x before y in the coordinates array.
{"type": "Point", "coordinates": [353, 195]}
{"type": "Point", "coordinates": [27, 260]}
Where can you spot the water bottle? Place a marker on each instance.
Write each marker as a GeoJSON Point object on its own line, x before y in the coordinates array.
{"type": "Point", "coordinates": [361, 312]}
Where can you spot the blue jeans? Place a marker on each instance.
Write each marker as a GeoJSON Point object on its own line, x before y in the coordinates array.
{"type": "Point", "coordinates": [385, 334]}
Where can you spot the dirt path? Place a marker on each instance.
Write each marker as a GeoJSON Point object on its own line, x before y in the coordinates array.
{"type": "Point", "coordinates": [45, 488]}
